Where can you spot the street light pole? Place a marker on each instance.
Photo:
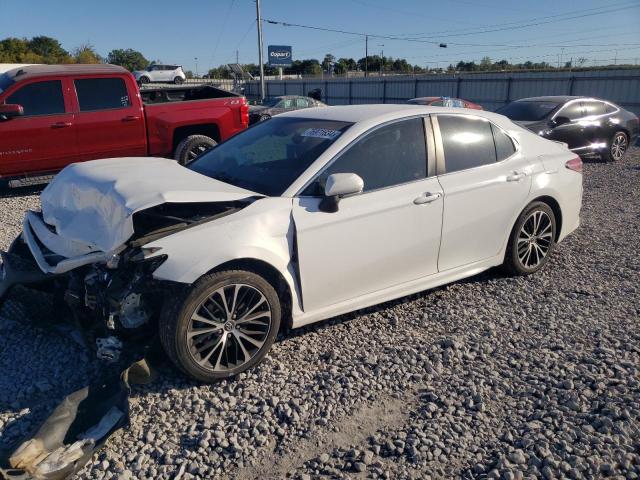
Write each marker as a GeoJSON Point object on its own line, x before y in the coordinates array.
{"type": "Point", "coordinates": [381, 58]}
{"type": "Point", "coordinates": [260, 48]}
{"type": "Point", "coordinates": [196, 59]}
{"type": "Point", "coordinates": [366, 55]}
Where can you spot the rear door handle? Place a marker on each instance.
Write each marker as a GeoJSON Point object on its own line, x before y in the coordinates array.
{"type": "Point", "coordinates": [130, 118]}
{"type": "Point", "coordinates": [427, 198]}
{"type": "Point", "coordinates": [61, 125]}
{"type": "Point", "coordinates": [515, 177]}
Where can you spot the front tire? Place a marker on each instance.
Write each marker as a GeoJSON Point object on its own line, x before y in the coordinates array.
{"type": "Point", "coordinates": [192, 147]}
{"type": "Point", "coordinates": [532, 240]}
{"type": "Point", "coordinates": [178, 81]}
{"type": "Point", "coordinates": [616, 148]}
{"type": "Point", "coordinates": [223, 325]}
{"type": "Point", "coordinates": [144, 80]}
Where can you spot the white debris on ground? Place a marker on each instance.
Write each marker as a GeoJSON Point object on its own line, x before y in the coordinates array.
{"type": "Point", "coordinates": [491, 377]}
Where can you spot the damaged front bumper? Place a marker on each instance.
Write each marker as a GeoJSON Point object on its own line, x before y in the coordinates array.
{"type": "Point", "coordinates": [108, 293]}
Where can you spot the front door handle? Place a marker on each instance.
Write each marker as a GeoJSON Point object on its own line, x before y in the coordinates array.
{"type": "Point", "coordinates": [427, 198]}
{"type": "Point", "coordinates": [61, 125]}
{"type": "Point", "coordinates": [515, 177]}
{"type": "Point", "coordinates": [130, 118]}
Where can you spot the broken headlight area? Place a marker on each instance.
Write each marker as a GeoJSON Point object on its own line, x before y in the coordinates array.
{"type": "Point", "coordinates": [122, 299]}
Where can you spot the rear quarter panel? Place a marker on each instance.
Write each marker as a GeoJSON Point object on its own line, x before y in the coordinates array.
{"type": "Point", "coordinates": [164, 118]}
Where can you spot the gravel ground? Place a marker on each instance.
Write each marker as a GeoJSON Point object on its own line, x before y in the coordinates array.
{"type": "Point", "coordinates": [492, 377]}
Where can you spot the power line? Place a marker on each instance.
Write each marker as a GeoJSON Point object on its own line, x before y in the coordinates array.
{"type": "Point", "coordinates": [535, 24]}
{"type": "Point", "coordinates": [515, 22]}
{"type": "Point", "coordinates": [397, 38]}
{"type": "Point", "coordinates": [224, 24]}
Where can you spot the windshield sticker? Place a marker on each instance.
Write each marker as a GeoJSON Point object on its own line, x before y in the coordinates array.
{"type": "Point", "coordinates": [321, 133]}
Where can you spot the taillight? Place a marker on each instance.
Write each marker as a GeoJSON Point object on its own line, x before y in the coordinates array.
{"type": "Point", "coordinates": [574, 164]}
{"type": "Point", "coordinates": [244, 114]}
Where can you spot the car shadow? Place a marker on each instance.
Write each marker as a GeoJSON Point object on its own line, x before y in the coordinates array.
{"type": "Point", "coordinates": [30, 394]}
{"type": "Point", "coordinates": [6, 192]}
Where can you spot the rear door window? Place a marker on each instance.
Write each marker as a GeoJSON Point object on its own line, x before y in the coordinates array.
{"type": "Point", "coordinates": [101, 94]}
{"type": "Point", "coordinates": [467, 142]}
{"type": "Point", "coordinates": [302, 103]}
{"type": "Point", "coordinates": [593, 108]}
{"type": "Point", "coordinates": [504, 145]}
{"type": "Point", "coordinates": [40, 98]}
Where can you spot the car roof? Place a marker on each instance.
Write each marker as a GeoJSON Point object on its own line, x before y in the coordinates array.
{"type": "Point", "coordinates": [551, 98]}
{"type": "Point", "coordinates": [378, 113]}
{"type": "Point", "coordinates": [33, 71]}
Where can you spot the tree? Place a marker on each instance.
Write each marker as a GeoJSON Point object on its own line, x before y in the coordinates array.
{"type": "Point", "coordinates": [328, 60]}
{"type": "Point", "coordinates": [485, 63]}
{"type": "Point", "coordinates": [128, 58]}
{"type": "Point", "coordinates": [49, 49]}
{"type": "Point", "coordinates": [86, 54]}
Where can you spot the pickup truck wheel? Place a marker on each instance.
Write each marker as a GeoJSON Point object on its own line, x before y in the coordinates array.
{"type": "Point", "coordinates": [221, 326]}
{"type": "Point", "coordinates": [178, 80]}
{"type": "Point", "coordinates": [192, 147]}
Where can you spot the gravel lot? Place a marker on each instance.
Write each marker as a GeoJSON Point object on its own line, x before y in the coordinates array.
{"type": "Point", "coordinates": [492, 377]}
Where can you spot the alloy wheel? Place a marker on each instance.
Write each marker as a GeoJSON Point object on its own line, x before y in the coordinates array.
{"type": "Point", "coordinates": [619, 146]}
{"type": "Point", "coordinates": [196, 151]}
{"type": "Point", "coordinates": [229, 327]}
{"type": "Point", "coordinates": [534, 239]}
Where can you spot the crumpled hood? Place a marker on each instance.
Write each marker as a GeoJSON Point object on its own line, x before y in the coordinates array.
{"type": "Point", "coordinates": [93, 202]}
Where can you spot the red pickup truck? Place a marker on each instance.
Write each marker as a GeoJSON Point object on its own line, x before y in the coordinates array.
{"type": "Point", "coordinates": [53, 115]}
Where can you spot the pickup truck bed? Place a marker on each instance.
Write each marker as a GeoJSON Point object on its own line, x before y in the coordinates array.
{"type": "Point", "coordinates": [54, 115]}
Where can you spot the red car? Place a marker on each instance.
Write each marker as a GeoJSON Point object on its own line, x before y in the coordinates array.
{"type": "Point", "coordinates": [444, 102]}
{"type": "Point", "coordinates": [54, 115]}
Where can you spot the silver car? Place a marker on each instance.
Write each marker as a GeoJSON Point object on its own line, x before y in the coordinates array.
{"type": "Point", "coordinates": [160, 73]}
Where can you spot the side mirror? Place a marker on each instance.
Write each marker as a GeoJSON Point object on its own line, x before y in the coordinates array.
{"type": "Point", "coordinates": [8, 111]}
{"type": "Point", "coordinates": [560, 121]}
{"type": "Point", "coordinates": [340, 185]}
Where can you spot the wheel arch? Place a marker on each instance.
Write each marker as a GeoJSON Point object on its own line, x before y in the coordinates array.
{"type": "Point", "coordinates": [555, 207]}
{"type": "Point", "coordinates": [209, 129]}
{"type": "Point", "coordinates": [271, 274]}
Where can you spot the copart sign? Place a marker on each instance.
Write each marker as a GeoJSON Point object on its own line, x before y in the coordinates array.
{"type": "Point", "coordinates": [280, 55]}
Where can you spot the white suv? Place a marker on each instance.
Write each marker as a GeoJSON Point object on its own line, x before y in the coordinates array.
{"type": "Point", "coordinates": [160, 73]}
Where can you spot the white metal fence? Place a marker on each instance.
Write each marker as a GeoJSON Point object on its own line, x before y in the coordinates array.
{"type": "Point", "coordinates": [491, 90]}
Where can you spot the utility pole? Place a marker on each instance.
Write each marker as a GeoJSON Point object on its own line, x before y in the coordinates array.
{"type": "Point", "coordinates": [381, 59]}
{"type": "Point", "coordinates": [366, 55]}
{"type": "Point", "coordinates": [260, 48]}
{"type": "Point", "coordinates": [237, 57]}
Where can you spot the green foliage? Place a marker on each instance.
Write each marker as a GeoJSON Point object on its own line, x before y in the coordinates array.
{"type": "Point", "coordinates": [128, 58]}
{"type": "Point", "coordinates": [86, 54]}
{"type": "Point", "coordinates": [37, 50]}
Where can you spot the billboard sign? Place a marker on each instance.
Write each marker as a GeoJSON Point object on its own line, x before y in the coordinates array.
{"type": "Point", "coordinates": [279, 55]}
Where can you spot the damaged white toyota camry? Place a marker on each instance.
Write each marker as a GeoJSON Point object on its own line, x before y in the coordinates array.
{"type": "Point", "coordinates": [303, 217]}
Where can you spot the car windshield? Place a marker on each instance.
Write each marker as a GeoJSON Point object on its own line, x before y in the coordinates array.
{"type": "Point", "coordinates": [268, 157]}
{"type": "Point", "coordinates": [527, 111]}
{"type": "Point", "coordinates": [5, 82]}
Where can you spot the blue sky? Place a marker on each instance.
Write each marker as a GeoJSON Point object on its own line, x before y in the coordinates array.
{"type": "Point", "coordinates": [211, 30]}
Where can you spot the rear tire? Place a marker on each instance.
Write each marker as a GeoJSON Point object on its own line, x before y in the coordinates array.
{"type": "Point", "coordinates": [178, 81]}
{"type": "Point", "coordinates": [192, 147]}
{"type": "Point", "coordinates": [532, 240]}
{"type": "Point", "coordinates": [264, 117]}
{"type": "Point", "coordinates": [616, 148]}
{"type": "Point", "coordinates": [207, 336]}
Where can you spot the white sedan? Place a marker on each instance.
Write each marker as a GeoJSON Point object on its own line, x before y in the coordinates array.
{"type": "Point", "coordinates": [308, 215]}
